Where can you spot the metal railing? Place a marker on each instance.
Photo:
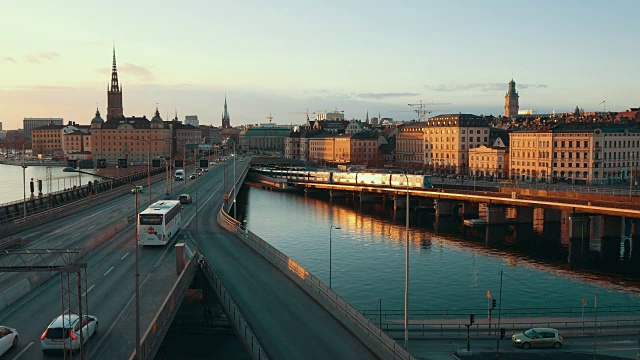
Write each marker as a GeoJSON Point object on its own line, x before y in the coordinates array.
{"type": "Point", "coordinates": [361, 327]}
{"type": "Point", "coordinates": [453, 314]}
{"type": "Point", "coordinates": [152, 338]}
{"type": "Point", "coordinates": [235, 317]}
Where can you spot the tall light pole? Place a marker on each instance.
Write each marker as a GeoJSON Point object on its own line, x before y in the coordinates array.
{"type": "Point", "coordinates": [135, 239]}
{"type": "Point", "coordinates": [24, 188]}
{"type": "Point", "coordinates": [235, 154]}
{"type": "Point", "coordinates": [406, 274]}
{"type": "Point", "coordinates": [331, 228]}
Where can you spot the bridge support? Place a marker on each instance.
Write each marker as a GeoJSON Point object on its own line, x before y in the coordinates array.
{"type": "Point", "coordinates": [494, 214]}
{"type": "Point", "coordinates": [494, 234]}
{"type": "Point", "coordinates": [469, 210]}
{"type": "Point", "coordinates": [579, 227]}
{"type": "Point", "coordinates": [337, 194]}
{"type": "Point", "coordinates": [443, 207]}
{"type": "Point", "coordinates": [612, 226]}
{"type": "Point", "coordinates": [524, 215]}
{"type": "Point", "coordinates": [366, 198]}
{"type": "Point", "coordinates": [551, 215]}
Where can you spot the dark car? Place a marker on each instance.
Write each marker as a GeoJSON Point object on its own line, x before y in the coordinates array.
{"type": "Point", "coordinates": [185, 199]}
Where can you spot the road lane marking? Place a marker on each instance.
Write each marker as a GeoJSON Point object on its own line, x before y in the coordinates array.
{"type": "Point", "coordinates": [76, 235]}
{"type": "Point", "coordinates": [91, 227]}
{"type": "Point", "coordinates": [57, 244]}
{"type": "Point", "coordinates": [125, 255]}
{"type": "Point", "coordinates": [23, 351]}
{"type": "Point", "coordinates": [108, 271]}
{"type": "Point", "coordinates": [85, 293]}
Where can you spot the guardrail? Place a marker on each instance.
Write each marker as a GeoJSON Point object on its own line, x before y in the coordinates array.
{"type": "Point", "coordinates": [361, 327]}
{"type": "Point", "coordinates": [152, 338]}
{"type": "Point", "coordinates": [575, 311]}
{"type": "Point", "coordinates": [235, 317]}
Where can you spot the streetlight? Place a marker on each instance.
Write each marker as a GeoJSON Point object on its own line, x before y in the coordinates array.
{"type": "Point", "coordinates": [137, 276]}
{"type": "Point", "coordinates": [330, 228]}
{"type": "Point", "coordinates": [24, 189]}
{"type": "Point", "coordinates": [234, 176]}
{"type": "Point", "coordinates": [406, 274]}
{"type": "Point", "coordinates": [166, 166]}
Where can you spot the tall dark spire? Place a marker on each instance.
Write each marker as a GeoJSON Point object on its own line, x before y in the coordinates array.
{"type": "Point", "coordinates": [226, 120]}
{"type": "Point", "coordinates": [114, 93]}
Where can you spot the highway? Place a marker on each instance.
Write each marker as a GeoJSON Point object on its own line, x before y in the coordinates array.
{"type": "Point", "coordinates": [287, 322]}
{"type": "Point", "coordinates": [110, 270]}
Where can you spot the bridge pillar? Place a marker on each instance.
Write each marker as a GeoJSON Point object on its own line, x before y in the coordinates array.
{"type": "Point", "coordinates": [612, 226]}
{"type": "Point", "coordinates": [552, 215]}
{"type": "Point", "coordinates": [495, 214]}
{"type": "Point", "coordinates": [443, 207]}
{"type": "Point", "coordinates": [579, 226]}
{"type": "Point", "coordinates": [524, 215]}
{"type": "Point", "coordinates": [469, 210]}
{"type": "Point", "coordinates": [494, 234]}
{"type": "Point", "coordinates": [366, 198]}
{"type": "Point", "coordinates": [337, 194]}
{"type": "Point", "coordinates": [635, 228]}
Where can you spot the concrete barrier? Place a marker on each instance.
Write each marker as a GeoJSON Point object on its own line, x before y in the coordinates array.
{"type": "Point", "coordinates": [16, 291]}
{"type": "Point", "coordinates": [3, 302]}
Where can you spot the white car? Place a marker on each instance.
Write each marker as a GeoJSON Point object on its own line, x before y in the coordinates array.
{"type": "Point", "coordinates": [8, 339]}
{"type": "Point", "coordinates": [64, 332]}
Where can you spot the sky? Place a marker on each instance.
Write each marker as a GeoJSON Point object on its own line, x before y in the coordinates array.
{"type": "Point", "coordinates": [286, 57]}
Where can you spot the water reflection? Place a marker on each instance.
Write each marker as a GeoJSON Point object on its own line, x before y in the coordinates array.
{"type": "Point", "coordinates": [451, 264]}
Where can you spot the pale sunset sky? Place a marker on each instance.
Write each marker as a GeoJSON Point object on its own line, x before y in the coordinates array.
{"type": "Point", "coordinates": [282, 57]}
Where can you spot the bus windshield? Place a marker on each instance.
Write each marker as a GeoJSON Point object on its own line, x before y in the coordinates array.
{"type": "Point", "coordinates": [150, 219]}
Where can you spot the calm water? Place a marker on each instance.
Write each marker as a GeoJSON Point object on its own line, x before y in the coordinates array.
{"type": "Point", "coordinates": [11, 184]}
{"type": "Point", "coordinates": [449, 268]}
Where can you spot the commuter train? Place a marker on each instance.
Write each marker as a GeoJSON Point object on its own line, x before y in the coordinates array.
{"type": "Point", "coordinates": [385, 178]}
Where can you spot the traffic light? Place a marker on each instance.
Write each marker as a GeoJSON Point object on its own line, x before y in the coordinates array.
{"type": "Point", "coordinates": [493, 303]}
{"type": "Point", "coordinates": [472, 319]}
{"type": "Point", "coordinates": [502, 333]}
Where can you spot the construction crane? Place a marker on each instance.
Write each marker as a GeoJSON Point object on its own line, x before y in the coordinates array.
{"type": "Point", "coordinates": [304, 112]}
{"type": "Point", "coordinates": [604, 108]}
{"type": "Point", "coordinates": [270, 118]}
{"type": "Point", "coordinates": [422, 108]}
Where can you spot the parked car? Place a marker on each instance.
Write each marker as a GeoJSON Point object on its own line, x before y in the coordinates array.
{"type": "Point", "coordinates": [185, 199]}
{"type": "Point", "coordinates": [538, 337]}
{"type": "Point", "coordinates": [193, 176]}
{"type": "Point", "coordinates": [137, 189]}
{"type": "Point", "coordinates": [64, 332]}
{"type": "Point", "coordinates": [8, 339]}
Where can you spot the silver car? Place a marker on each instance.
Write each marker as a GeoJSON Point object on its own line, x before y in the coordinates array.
{"type": "Point", "coordinates": [538, 337]}
{"type": "Point", "coordinates": [8, 339]}
{"type": "Point", "coordinates": [64, 332]}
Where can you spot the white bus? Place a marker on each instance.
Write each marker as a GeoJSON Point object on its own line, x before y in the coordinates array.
{"type": "Point", "coordinates": [159, 222]}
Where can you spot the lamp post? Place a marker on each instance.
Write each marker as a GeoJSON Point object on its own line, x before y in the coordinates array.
{"type": "Point", "coordinates": [137, 275]}
{"type": "Point", "coordinates": [406, 274]}
{"type": "Point", "coordinates": [24, 189]}
{"type": "Point", "coordinates": [166, 165]}
{"type": "Point", "coordinates": [234, 177]}
{"type": "Point", "coordinates": [331, 228]}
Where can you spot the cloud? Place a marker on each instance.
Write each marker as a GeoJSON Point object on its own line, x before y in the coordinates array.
{"type": "Point", "coordinates": [8, 59]}
{"type": "Point", "coordinates": [385, 95]}
{"type": "Point", "coordinates": [139, 72]}
{"type": "Point", "coordinates": [41, 57]}
{"type": "Point", "coordinates": [484, 87]}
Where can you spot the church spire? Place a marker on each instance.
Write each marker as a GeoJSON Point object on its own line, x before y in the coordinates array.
{"type": "Point", "coordinates": [114, 93]}
{"type": "Point", "coordinates": [114, 74]}
{"type": "Point", "coordinates": [226, 120]}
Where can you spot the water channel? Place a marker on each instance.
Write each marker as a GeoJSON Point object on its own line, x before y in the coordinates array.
{"type": "Point", "coordinates": [451, 267]}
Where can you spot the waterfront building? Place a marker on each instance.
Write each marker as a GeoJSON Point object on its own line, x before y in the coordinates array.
{"type": "Point", "coordinates": [135, 139]}
{"type": "Point", "coordinates": [292, 145]}
{"type": "Point", "coordinates": [485, 161]}
{"type": "Point", "coordinates": [448, 138]}
{"type": "Point", "coordinates": [576, 153]}
{"type": "Point", "coordinates": [47, 140]}
{"type": "Point", "coordinates": [265, 137]}
{"type": "Point", "coordinates": [114, 93]}
{"type": "Point", "coordinates": [410, 144]}
{"type": "Point", "coordinates": [29, 124]}
{"type": "Point", "coordinates": [511, 105]}
{"type": "Point", "coordinates": [226, 120]}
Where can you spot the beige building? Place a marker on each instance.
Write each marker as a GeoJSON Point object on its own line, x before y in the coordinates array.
{"type": "Point", "coordinates": [355, 149]}
{"type": "Point", "coordinates": [448, 139]}
{"type": "Point", "coordinates": [322, 149]}
{"type": "Point", "coordinates": [490, 162]}
{"type": "Point", "coordinates": [410, 144]}
{"type": "Point", "coordinates": [576, 153]}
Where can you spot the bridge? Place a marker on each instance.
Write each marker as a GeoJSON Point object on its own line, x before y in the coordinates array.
{"type": "Point", "coordinates": [278, 309]}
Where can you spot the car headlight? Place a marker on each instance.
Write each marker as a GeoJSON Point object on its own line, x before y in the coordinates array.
{"type": "Point", "coordinates": [517, 340]}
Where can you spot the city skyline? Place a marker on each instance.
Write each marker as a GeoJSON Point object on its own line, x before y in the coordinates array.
{"type": "Point", "coordinates": [287, 57]}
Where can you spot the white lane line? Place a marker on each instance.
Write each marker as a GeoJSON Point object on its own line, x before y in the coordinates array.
{"type": "Point", "coordinates": [125, 255]}
{"type": "Point", "coordinates": [76, 235]}
{"type": "Point", "coordinates": [57, 244]}
{"type": "Point", "coordinates": [23, 351]}
{"type": "Point", "coordinates": [91, 287]}
{"type": "Point", "coordinates": [91, 227]}
{"type": "Point", "coordinates": [108, 271]}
